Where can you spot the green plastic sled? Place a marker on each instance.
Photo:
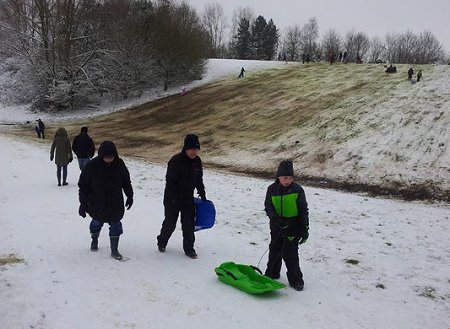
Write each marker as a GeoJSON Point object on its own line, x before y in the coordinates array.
{"type": "Point", "coordinates": [246, 278]}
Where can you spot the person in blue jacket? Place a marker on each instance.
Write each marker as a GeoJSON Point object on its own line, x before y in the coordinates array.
{"type": "Point", "coordinates": [286, 206]}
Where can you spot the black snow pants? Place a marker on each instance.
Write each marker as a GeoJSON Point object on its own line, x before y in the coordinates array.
{"type": "Point", "coordinates": [171, 212]}
{"type": "Point", "coordinates": [283, 248]}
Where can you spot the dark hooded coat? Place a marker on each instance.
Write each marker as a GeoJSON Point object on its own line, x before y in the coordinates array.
{"type": "Point", "coordinates": [101, 185]}
{"type": "Point", "coordinates": [60, 149]}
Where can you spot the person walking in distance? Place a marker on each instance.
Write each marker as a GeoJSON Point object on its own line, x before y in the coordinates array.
{"type": "Point", "coordinates": [62, 153]}
{"type": "Point", "coordinates": [83, 146]}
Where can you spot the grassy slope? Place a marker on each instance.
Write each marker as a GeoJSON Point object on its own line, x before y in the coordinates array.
{"type": "Point", "coordinates": [309, 113]}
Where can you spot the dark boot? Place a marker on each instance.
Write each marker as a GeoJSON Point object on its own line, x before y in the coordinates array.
{"type": "Point", "coordinates": [94, 243]}
{"type": "Point", "coordinates": [114, 244]}
{"type": "Point", "coordinates": [191, 254]}
{"type": "Point", "coordinates": [298, 285]}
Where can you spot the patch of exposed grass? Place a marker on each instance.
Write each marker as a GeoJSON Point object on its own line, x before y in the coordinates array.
{"type": "Point", "coordinates": [10, 259]}
{"type": "Point", "coordinates": [427, 292]}
{"type": "Point", "coordinates": [351, 261]}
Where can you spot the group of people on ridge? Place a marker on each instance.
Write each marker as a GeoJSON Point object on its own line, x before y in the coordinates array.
{"type": "Point", "coordinates": [105, 178]}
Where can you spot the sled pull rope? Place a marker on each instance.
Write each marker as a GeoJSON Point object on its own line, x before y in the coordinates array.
{"type": "Point", "coordinates": [256, 269]}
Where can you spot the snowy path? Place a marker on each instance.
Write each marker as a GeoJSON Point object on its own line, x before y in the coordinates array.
{"type": "Point", "coordinates": [403, 248]}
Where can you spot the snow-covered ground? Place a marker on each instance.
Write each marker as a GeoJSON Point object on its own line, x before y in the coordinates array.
{"type": "Point", "coordinates": [402, 251]}
{"type": "Point", "coordinates": [215, 69]}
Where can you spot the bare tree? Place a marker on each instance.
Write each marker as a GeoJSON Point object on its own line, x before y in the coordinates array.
{"type": "Point", "coordinates": [309, 35]}
{"type": "Point", "coordinates": [357, 45]}
{"type": "Point", "coordinates": [214, 23]}
{"type": "Point", "coordinates": [177, 39]}
{"type": "Point", "coordinates": [429, 49]}
{"type": "Point", "coordinates": [331, 44]}
{"type": "Point", "coordinates": [53, 36]}
{"type": "Point", "coordinates": [377, 49]}
{"type": "Point", "coordinates": [292, 43]}
{"type": "Point", "coordinates": [239, 14]}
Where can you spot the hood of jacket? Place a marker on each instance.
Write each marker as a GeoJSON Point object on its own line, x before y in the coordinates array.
{"type": "Point", "coordinates": [107, 148]}
{"type": "Point", "coordinates": [61, 132]}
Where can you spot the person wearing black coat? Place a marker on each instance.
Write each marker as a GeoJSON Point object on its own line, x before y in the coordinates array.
{"type": "Point", "coordinates": [184, 174]}
{"type": "Point", "coordinates": [100, 192]}
{"type": "Point", "coordinates": [41, 128]}
{"type": "Point", "coordinates": [410, 73]}
{"type": "Point", "coordinates": [83, 146]}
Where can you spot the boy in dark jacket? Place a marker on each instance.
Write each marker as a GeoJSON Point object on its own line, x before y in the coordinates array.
{"type": "Point", "coordinates": [83, 146]}
{"type": "Point", "coordinates": [100, 191]}
{"type": "Point", "coordinates": [286, 206]}
{"type": "Point", "coordinates": [184, 174]}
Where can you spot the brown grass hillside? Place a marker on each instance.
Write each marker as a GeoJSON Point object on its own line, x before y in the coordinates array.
{"type": "Point", "coordinates": [237, 114]}
{"type": "Point", "coordinates": [321, 116]}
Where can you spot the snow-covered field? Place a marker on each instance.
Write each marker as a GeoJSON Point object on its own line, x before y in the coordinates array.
{"type": "Point", "coordinates": [402, 251]}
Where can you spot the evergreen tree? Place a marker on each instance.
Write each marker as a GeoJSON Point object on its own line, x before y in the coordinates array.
{"type": "Point", "coordinates": [242, 47]}
{"type": "Point", "coordinates": [258, 38]}
{"type": "Point", "coordinates": [270, 41]}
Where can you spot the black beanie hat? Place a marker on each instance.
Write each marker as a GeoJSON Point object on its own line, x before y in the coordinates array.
{"type": "Point", "coordinates": [191, 142]}
{"type": "Point", "coordinates": [84, 129]}
{"type": "Point", "coordinates": [285, 168]}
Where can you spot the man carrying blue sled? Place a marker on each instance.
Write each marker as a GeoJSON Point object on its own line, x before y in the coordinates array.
{"type": "Point", "coordinates": [184, 174]}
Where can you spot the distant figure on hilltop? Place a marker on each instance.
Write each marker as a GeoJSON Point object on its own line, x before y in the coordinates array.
{"type": "Point", "coordinates": [419, 75]}
{"type": "Point", "coordinates": [410, 73]}
{"type": "Point", "coordinates": [345, 57]}
{"type": "Point", "coordinates": [331, 58]}
{"type": "Point", "coordinates": [391, 69]}
{"type": "Point", "coordinates": [241, 75]}
{"type": "Point", "coordinates": [183, 91]}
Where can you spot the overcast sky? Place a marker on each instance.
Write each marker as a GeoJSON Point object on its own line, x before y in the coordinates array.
{"type": "Point", "coordinates": [376, 17]}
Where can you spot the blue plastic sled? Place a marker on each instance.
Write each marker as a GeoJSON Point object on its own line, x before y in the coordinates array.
{"type": "Point", "coordinates": [205, 214]}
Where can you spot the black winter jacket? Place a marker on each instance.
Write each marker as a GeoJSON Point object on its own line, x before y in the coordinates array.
{"type": "Point", "coordinates": [287, 208]}
{"type": "Point", "coordinates": [100, 188]}
{"type": "Point", "coordinates": [183, 176]}
{"type": "Point", "coordinates": [83, 146]}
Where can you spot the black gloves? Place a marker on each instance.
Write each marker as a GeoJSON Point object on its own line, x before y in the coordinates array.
{"type": "Point", "coordinates": [51, 157]}
{"type": "Point", "coordinates": [305, 236]}
{"type": "Point", "coordinates": [82, 211]}
{"type": "Point", "coordinates": [129, 203]}
{"type": "Point", "coordinates": [70, 159]}
{"type": "Point", "coordinates": [203, 197]}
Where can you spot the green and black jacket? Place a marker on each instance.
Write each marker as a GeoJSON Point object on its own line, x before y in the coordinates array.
{"type": "Point", "coordinates": [287, 205]}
